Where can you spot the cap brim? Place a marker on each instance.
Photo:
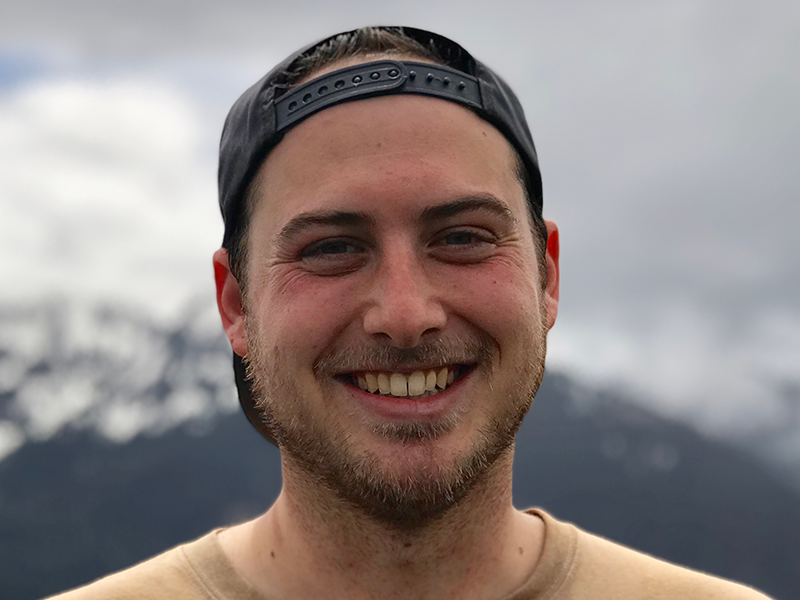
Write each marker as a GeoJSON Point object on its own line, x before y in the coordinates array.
{"type": "Point", "coordinates": [247, 398]}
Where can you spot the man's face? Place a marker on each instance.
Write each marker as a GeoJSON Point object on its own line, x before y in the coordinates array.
{"type": "Point", "coordinates": [390, 245]}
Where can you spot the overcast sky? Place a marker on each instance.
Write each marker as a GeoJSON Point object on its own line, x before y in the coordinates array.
{"type": "Point", "coordinates": [668, 133]}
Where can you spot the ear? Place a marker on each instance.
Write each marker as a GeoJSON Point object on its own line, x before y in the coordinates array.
{"type": "Point", "coordinates": [553, 274]}
{"type": "Point", "coordinates": [229, 302]}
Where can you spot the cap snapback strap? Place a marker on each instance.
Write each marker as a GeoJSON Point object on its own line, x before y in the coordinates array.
{"type": "Point", "coordinates": [375, 79]}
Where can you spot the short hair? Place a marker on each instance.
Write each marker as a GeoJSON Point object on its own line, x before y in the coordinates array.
{"type": "Point", "coordinates": [379, 41]}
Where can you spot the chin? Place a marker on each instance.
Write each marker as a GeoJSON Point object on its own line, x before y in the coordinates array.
{"type": "Point", "coordinates": [402, 484]}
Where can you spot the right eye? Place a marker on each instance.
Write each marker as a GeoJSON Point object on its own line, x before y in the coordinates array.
{"type": "Point", "coordinates": [330, 247]}
{"type": "Point", "coordinates": [334, 256]}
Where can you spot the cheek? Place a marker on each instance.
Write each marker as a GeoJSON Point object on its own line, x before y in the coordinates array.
{"type": "Point", "coordinates": [501, 298]}
{"type": "Point", "coordinates": [302, 314]}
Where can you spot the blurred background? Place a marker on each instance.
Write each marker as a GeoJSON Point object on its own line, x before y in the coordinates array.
{"type": "Point", "coordinates": [669, 139]}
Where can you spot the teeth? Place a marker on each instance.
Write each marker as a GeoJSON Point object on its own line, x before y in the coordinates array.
{"type": "Point", "coordinates": [372, 382]}
{"type": "Point", "coordinates": [399, 385]}
{"type": "Point", "coordinates": [383, 384]}
{"type": "Point", "coordinates": [417, 384]}
{"type": "Point", "coordinates": [430, 381]}
{"type": "Point", "coordinates": [441, 378]}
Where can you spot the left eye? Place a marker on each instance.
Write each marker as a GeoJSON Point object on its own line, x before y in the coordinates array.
{"type": "Point", "coordinates": [460, 238]}
{"type": "Point", "coordinates": [464, 246]}
{"type": "Point", "coordinates": [471, 238]}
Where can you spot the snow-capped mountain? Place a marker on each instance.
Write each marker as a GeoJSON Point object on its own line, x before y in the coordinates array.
{"type": "Point", "coordinates": [121, 436]}
{"type": "Point", "coordinates": [120, 373]}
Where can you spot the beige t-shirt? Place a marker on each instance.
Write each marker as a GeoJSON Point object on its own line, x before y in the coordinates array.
{"type": "Point", "coordinates": [574, 565]}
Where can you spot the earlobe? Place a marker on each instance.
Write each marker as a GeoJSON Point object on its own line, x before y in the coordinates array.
{"type": "Point", "coordinates": [229, 302]}
{"type": "Point", "coordinates": [553, 274]}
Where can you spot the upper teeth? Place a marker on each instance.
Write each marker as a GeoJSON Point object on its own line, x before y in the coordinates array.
{"type": "Point", "coordinates": [418, 383]}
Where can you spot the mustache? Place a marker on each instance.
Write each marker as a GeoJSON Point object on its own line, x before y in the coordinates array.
{"type": "Point", "coordinates": [432, 352]}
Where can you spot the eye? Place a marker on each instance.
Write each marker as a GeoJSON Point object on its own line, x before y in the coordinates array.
{"type": "Point", "coordinates": [460, 238]}
{"type": "Point", "coordinates": [457, 238]}
{"type": "Point", "coordinates": [331, 248]}
{"type": "Point", "coordinates": [334, 256]}
{"type": "Point", "coordinates": [464, 245]}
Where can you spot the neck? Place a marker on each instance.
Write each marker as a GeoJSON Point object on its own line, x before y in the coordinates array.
{"type": "Point", "coordinates": [306, 546]}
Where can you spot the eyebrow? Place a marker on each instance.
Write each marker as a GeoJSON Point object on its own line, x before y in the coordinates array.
{"type": "Point", "coordinates": [439, 212]}
{"type": "Point", "coordinates": [305, 221]}
{"type": "Point", "coordinates": [471, 203]}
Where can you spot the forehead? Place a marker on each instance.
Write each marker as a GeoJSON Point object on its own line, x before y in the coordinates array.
{"type": "Point", "coordinates": [386, 155]}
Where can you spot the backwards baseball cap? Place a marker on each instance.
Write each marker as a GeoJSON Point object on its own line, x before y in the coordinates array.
{"type": "Point", "coordinates": [266, 111]}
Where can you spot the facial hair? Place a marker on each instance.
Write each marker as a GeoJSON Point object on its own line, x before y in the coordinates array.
{"type": "Point", "coordinates": [321, 450]}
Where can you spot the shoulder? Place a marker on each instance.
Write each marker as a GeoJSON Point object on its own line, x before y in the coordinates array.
{"type": "Point", "coordinates": [596, 564]}
{"type": "Point", "coordinates": [651, 577]}
{"type": "Point", "coordinates": [168, 576]}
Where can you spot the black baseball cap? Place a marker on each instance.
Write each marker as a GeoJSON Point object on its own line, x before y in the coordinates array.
{"type": "Point", "coordinates": [259, 119]}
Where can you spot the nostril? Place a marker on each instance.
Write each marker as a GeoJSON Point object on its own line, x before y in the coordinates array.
{"type": "Point", "coordinates": [403, 308]}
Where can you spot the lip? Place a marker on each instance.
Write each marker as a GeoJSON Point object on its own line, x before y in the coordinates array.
{"type": "Point", "coordinates": [412, 409]}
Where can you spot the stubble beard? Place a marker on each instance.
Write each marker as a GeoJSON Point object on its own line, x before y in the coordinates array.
{"type": "Point", "coordinates": [321, 452]}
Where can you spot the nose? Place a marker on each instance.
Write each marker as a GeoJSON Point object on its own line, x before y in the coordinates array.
{"type": "Point", "coordinates": [404, 304]}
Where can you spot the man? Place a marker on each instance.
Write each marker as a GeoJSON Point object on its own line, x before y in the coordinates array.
{"type": "Point", "coordinates": [387, 283]}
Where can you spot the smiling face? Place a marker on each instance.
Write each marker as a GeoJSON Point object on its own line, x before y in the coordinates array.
{"type": "Point", "coordinates": [395, 319]}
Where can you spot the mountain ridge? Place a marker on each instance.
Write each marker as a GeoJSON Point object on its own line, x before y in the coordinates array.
{"type": "Point", "coordinates": [78, 506]}
{"type": "Point", "coordinates": [132, 442]}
